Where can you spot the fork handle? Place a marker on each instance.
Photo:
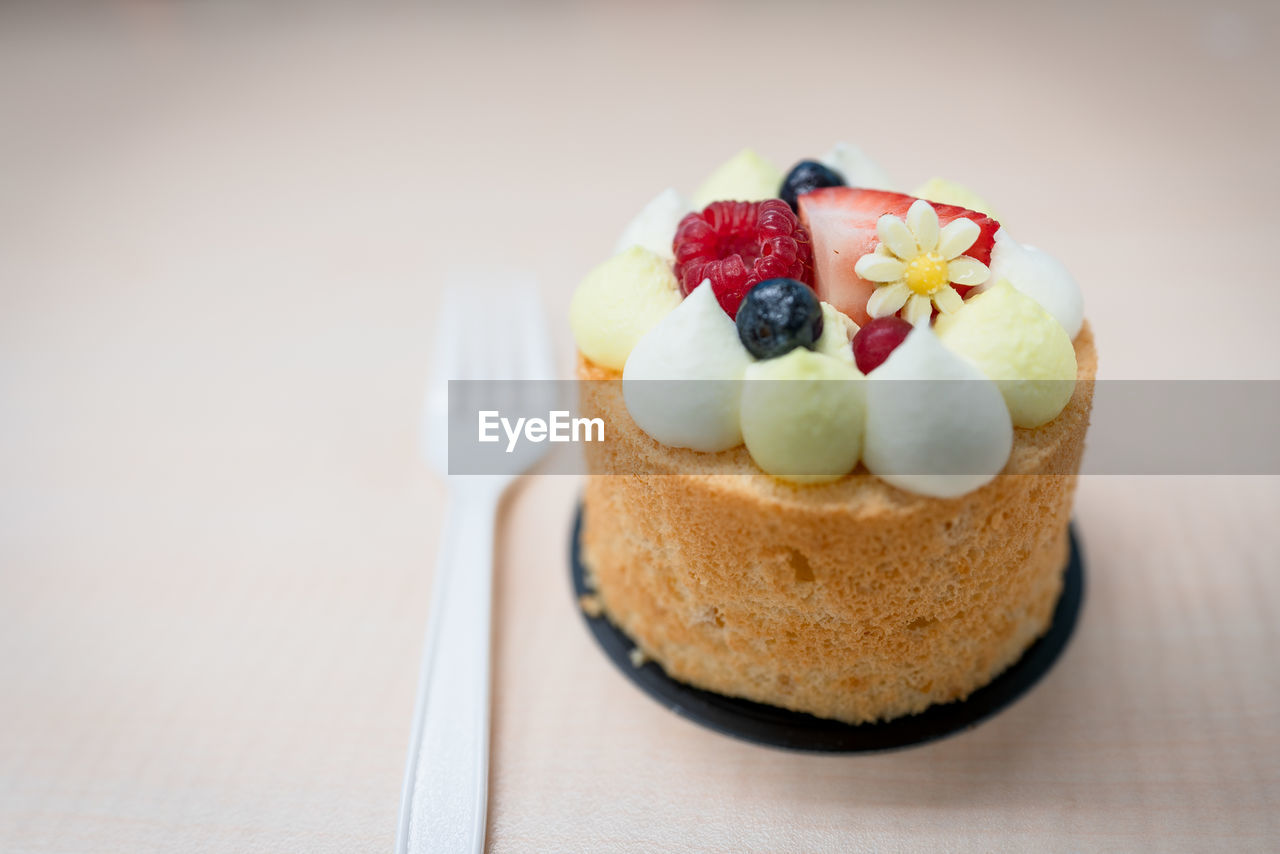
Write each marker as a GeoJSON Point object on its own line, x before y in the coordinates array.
{"type": "Point", "coordinates": [446, 785]}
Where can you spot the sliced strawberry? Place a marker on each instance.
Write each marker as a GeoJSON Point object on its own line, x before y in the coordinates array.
{"type": "Point", "coordinates": [842, 224]}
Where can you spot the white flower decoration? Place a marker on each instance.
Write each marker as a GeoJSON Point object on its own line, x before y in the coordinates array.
{"type": "Point", "coordinates": [916, 263]}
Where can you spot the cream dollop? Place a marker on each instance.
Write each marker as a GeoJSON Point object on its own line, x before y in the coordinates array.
{"type": "Point", "coordinates": [745, 177]}
{"type": "Point", "coordinates": [946, 192]}
{"type": "Point", "coordinates": [1040, 276]}
{"type": "Point", "coordinates": [935, 425]}
{"type": "Point", "coordinates": [1018, 344]}
{"type": "Point", "coordinates": [857, 169]}
{"type": "Point", "coordinates": [837, 334]}
{"type": "Point", "coordinates": [618, 302]}
{"type": "Point", "coordinates": [682, 382]}
{"type": "Point", "coordinates": [802, 416]}
{"type": "Point", "coordinates": [654, 227]}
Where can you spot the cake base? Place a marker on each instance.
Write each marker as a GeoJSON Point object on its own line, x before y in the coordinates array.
{"type": "Point", "coordinates": [851, 600]}
{"type": "Point", "coordinates": [777, 727]}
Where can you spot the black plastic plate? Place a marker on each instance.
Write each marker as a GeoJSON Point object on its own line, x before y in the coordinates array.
{"type": "Point", "coordinates": [776, 727]}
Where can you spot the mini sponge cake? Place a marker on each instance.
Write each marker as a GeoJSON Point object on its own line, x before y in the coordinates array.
{"type": "Point", "coordinates": [851, 600]}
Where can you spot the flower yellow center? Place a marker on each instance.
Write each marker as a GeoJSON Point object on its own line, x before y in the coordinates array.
{"type": "Point", "coordinates": [927, 274]}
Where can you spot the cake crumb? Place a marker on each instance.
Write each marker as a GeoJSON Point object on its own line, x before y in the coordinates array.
{"type": "Point", "coordinates": [638, 658]}
{"type": "Point", "coordinates": [591, 605]}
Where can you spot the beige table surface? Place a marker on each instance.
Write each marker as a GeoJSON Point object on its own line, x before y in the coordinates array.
{"type": "Point", "coordinates": [222, 233]}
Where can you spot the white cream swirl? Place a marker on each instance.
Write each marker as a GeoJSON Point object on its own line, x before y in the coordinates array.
{"type": "Point", "coordinates": [857, 169]}
{"type": "Point", "coordinates": [654, 227]}
{"type": "Point", "coordinates": [1040, 276]}
{"type": "Point", "coordinates": [683, 381]}
{"type": "Point", "coordinates": [941, 438]}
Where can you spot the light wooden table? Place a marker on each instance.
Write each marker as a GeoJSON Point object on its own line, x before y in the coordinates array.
{"type": "Point", "coordinates": [221, 233]}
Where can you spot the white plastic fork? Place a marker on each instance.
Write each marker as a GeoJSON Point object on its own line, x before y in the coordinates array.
{"type": "Point", "coordinates": [490, 327]}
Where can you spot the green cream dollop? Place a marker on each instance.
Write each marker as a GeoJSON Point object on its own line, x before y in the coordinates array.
{"type": "Point", "coordinates": [1015, 342]}
{"type": "Point", "coordinates": [618, 302]}
{"type": "Point", "coordinates": [946, 192]}
{"type": "Point", "coordinates": [802, 416]}
{"type": "Point", "coordinates": [747, 177]}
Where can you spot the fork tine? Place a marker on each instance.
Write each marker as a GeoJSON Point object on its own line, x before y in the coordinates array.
{"type": "Point", "coordinates": [444, 366]}
{"type": "Point", "coordinates": [446, 350]}
{"type": "Point", "coordinates": [536, 357]}
{"type": "Point", "coordinates": [475, 326]}
{"type": "Point", "coordinates": [491, 326]}
{"type": "Point", "coordinates": [533, 357]}
{"type": "Point", "coordinates": [505, 319]}
{"type": "Point", "coordinates": [490, 329]}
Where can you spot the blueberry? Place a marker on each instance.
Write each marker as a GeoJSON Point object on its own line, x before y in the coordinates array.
{"type": "Point", "coordinates": [805, 176]}
{"type": "Point", "coordinates": [777, 316]}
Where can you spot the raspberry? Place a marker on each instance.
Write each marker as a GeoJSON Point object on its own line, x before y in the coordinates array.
{"type": "Point", "coordinates": [738, 245]}
{"type": "Point", "coordinates": [875, 341]}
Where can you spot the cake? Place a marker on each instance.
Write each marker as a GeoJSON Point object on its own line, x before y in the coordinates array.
{"type": "Point", "coordinates": [843, 426]}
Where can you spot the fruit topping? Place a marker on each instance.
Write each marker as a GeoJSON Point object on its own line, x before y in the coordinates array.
{"type": "Point", "coordinates": [844, 225]}
{"type": "Point", "coordinates": [777, 316]}
{"type": "Point", "coordinates": [874, 342]}
{"type": "Point", "coordinates": [805, 177]}
{"type": "Point", "coordinates": [746, 177]}
{"type": "Point", "coordinates": [740, 244]}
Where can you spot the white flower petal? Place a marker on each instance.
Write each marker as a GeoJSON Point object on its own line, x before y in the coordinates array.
{"type": "Point", "coordinates": [880, 268]}
{"type": "Point", "coordinates": [922, 219]}
{"type": "Point", "coordinates": [956, 237]}
{"type": "Point", "coordinates": [948, 300]}
{"type": "Point", "coordinates": [918, 308]}
{"type": "Point", "coordinates": [895, 235]}
{"type": "Point", "coordinates": [888, 299]}
{"type": "Point", "coordinates": [967, 271]}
